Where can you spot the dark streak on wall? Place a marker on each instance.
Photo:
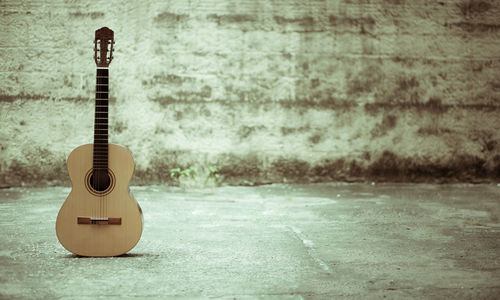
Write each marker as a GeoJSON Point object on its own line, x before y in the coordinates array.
{"type": "Point", "coordinates": [92, 15]}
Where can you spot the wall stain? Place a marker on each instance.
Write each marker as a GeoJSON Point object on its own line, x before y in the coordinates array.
{"type": "Point", "coordinates": [167, 79]}
{"type": "Point", "coordinates": [170, 20]}
{"type": "Point", "coordinates": [246, 131]}
{"type": "Point", "coordinates": [388, 122]}
{"type": "Point", "coordinates": [93, 15]}
{"type": "Point", "coordinates": [363, 23]}
{"type": "Point", "coordinates": [364, 81]}
{"type": "Point", "coordinates": [391, 167]}
{"type": "Point", "coordinates": [22, 96]}
{"type": "Point", "coordinates": [290, 168]}
{"type": "Point", "coordinates": [473, 8]}
{"type": "Point", "coordinates": [376, 107]}
{"type": "Point", "coordinates": [476, 27]}
{"type": "Point", "coordinates": [315, 138]}
{"type": "Point", "coordinates": [228, 19]}
{"type": "Point", "coordinates": [428, 131]}
{"type": "Point", "coordinates": [304, 21]}
{"type": "Point", "coordinates": [248, 166]}
{"type": "Point", "coordinates": [292, 130]}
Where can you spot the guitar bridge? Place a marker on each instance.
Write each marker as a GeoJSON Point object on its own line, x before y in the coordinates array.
{"type": "Point", "coordinates": [99, 221]}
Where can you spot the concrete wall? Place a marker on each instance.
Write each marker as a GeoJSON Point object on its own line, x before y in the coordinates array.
{"type": "Point", "coordinates": [265, 90]}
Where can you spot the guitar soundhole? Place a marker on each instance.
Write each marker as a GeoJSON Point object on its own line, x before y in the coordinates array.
{"type": "Point", "coordinates": [100, 180]}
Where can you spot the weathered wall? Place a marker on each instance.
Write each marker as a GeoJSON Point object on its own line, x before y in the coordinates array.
{"type": "Point", "coordinates": [262, 89]}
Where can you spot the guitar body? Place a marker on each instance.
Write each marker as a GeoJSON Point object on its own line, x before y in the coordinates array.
{"type": "Point", "coordinates": [100, 223]}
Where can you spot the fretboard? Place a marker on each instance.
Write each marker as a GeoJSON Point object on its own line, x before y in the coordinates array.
{"type": "Point", "coordinates": [101, 120]}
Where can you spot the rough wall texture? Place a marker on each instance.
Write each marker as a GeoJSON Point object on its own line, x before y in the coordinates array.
{"type": "Point", "coordinates": [262, 89]}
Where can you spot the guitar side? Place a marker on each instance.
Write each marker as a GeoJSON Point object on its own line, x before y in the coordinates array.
{"type": "Point", "coordinates": [99, 224]}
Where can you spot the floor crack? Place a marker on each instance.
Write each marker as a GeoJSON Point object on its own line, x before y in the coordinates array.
{"type": "Point", "coordinates": [309, 245]}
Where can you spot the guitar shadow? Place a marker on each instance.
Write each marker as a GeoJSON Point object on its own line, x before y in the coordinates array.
{"type": "Point", "coordinates": [126, 255]}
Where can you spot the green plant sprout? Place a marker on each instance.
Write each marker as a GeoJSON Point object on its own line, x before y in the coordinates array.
{"type": "Point", "coordinates": [196, 177]}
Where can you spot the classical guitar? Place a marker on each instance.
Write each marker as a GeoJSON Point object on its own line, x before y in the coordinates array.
{"type": "Point", "coordinates": [100, 217]}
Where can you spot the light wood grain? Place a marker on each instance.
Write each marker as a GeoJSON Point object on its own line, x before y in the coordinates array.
{"type": "Point", "coordinates": [94, 239]}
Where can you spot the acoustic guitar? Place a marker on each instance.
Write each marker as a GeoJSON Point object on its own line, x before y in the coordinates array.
{"type": "Point", "coordinates": [100, 217]}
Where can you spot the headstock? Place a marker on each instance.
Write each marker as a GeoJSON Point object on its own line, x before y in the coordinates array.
{"type": "Point", "coordinates": [103, 43]}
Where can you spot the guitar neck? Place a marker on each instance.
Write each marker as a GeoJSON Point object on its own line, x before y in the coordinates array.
{"type": "Point", "coordinates": [101, 120]}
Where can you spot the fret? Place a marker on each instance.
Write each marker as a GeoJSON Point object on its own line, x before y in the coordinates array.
{"type": "Point", "coordinates": [101, 149]}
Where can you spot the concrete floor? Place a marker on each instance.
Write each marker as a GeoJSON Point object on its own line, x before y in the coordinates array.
{"type": "Point", "coordinates": [316, 241]}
